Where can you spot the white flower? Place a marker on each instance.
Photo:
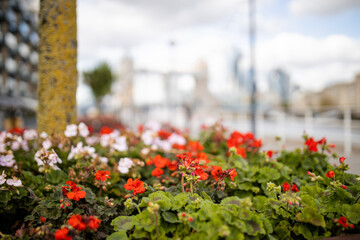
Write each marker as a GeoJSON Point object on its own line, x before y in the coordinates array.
{"type": "Point", "coordinates": [43, 135]}
{"type": "Point", "coordinates": [7, 160]}
{"type": "Point", "coordinates": [71, 130]}
{"type": "Point", "coordinates": [163, 144]}
{"type": "Point", "coordinates": [176, 139]}
{"type": "Point", "coordinates": [147, 137]}
{"type": "Point", "coordinates": [47, 144]}
{"type": "Point", "coordinates": [125, 164]}
{"type": "Point", "coordinates": [15, 145]}
{"type": "Point", "coordinates": [145, 151]}
{"type": "Point", "coordinates": [83, 130]}
{"type": "Point", "coordinates": [2, 178]}
{"type": "Point", "coordinates": [81, 151]}
{"type": "Point", "coordinates": [103, 159]}
{"type": "Point", "coordinates": [14, 182]}
{"type": "Point", "coordinates": [153, 125]}
{"type": "Point", "coordinates": [30, 134]}
{"type": "Point", "coordinates": [120, 144]}
{"type": "Point", "coordinates": [91, 140]}
{"type": "Point", "coordinates": [49, 158]}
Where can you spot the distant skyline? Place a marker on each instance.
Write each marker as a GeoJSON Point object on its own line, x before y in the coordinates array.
{"type": "Point", "coordinates": [316, 42]}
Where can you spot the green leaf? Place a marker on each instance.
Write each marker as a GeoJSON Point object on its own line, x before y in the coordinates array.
{"type": "Point", "coordinates": [118, 236]}
{"type": "Point", "coordinates": [180, 201]}
{"type": "Point", "coordinates": [352, 212]}
{"type": "Point", "coordinates": [311, 215]}
{"type": "Point", "coordinates": [170, 217]}
{"type": "Point", "coordinates": [146, 221]}
{"type": "Point", "coordinates": [56, 177]}
{"type": "Point", "coordinates": [161, 198]}
{"type": "Point", "coordinates": [123, 223]}
{"type": "Point", "coordinates": [205, 196]}
{"type": "Point", "coordinates": [303, 230]}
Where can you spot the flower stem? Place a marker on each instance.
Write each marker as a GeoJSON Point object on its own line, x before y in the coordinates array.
{"type": "Point", "coordinates": [100, 192]}
{"type": "Point", "coordinates": [157, 225]}
{"type": "Point", "coordinates": [182, 183]}
{"type": "Point", "coordinates": [137, 207]}
{"type": "Point", "coordinates": [191, 187]}
{"type": "Point", "coordinates": [357, 199]}
{"type": "Point", "coordinates": [212, 195]}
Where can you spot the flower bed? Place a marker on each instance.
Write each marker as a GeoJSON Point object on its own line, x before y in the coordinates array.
{"type": "Point", "coordinates": [157, 183]}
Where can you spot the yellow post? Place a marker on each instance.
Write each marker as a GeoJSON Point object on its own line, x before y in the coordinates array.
{"type": "Point", "coordinates": [57, 65]}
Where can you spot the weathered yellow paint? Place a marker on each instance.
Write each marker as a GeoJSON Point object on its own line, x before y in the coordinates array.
{"type": "Point", "coordinates": [57, 65]}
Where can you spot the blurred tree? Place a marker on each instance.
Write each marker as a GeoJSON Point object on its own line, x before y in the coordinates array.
{"type": "Point", "coordinates": [57, 65]}
{"type": "Point", "coordinates": [99, 80]}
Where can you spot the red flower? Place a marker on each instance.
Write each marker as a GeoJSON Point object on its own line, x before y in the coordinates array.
{"type": "Point", "coordinates": [75, 193]}
{"type": "Point", "coordinates": [178, 146]}
{"type": "Point", "coordinates": [241, 152]}
{"type": "Point", "coordinates": [330, 174]}
{"type": "Point", "coordinates": [341, 159]}
{"type": "Point", "coordinates": [200, 172]}
{"type": "Point", "coordinates": [157, 172]}
{"type": "Point", "coordinates": [343, 221]}
{"type": "Point", "coordinates": [233, 174]}
{"type": "Point", "coordinates": [351, 226]}
{"type": "Point", "coordinates": [343, 186]}
{"type": "Point", "coordinates": [195, 146]}
{"type": "Point", "coordinates": [311, 144]}
{"type": "Point", "coordinates": [16, 130]}
{"type": "Point", "coordinates": [294, 188]}
{"type": "Point", "coordinates": [61, 234]}
{"type": "Point", "coordinates": [102, 175]}
{"type": "Point", "coordinates": [160, 162]}
{"type": "Point", "coordinates": [269, 153]}
{"type": "Point", "coordinates": [106, 130]}
{"type": "Point", "coordinates": [286, 187]}
{"type": "Point", "coordinates": [42, 219]}
{"type": "Point", "coordinates": [322, 141]}
{"type": "Point", "coordinates": [137, 186]}
{"type": "Point", "coordinates": [172, 165]}
{"type": "Point", "coordinates": [216, 172]}
{"type": "Point", "coordinates": [77, 222]}
{"type": "Point", "coordinates": [256, 143]}
{"type": "Point", "coordinates": [163, 134]}
{"type": "Point", "coordinates": [94, 222]}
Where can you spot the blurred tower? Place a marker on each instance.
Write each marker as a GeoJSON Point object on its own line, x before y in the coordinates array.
{"type": "Point", "coordinates": [279, 82]}
{"type": "Point", "coordinates": [202, 95]}
{"type": "Point", "coordinates": [18, 63]}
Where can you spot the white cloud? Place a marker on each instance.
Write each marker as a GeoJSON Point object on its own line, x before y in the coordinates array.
{"type": "Point", "coordinates": [322, 7]}
{"type": "Point", "coordinates": [311, 62]}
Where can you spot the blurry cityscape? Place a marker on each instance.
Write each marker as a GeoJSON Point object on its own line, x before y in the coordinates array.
{"type": "Point", "coordinates": [166, 85]}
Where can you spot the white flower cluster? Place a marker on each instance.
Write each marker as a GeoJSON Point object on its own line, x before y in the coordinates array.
{"type": "Point", "coordinates": [15, 142]}
{"type": "Point", "coordinates": [7, 159]}
{"type": "Point", "coordinates": [125, 164]}
{"type": "Point", "coordinates": [115, 141]}
{"type": "Point", "coordinates": [14, 181]}
{"type": "Point", "coordinates": [150, 138]}
{"type": "Point", "coordinates": [81, 151]}
{"type": "Point", "coordinates": [47, 158]}
{"type": "Point", "coordinates": [73, 130]}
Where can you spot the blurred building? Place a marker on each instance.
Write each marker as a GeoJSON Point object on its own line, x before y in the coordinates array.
{"type": "Point", "coordinates": [19, 42]}
{"type": "Point", "coordinates": [339, 96]}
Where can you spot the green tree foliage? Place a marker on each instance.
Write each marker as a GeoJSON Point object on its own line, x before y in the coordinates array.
{"type": "Point", "coordinates": [99, 80]}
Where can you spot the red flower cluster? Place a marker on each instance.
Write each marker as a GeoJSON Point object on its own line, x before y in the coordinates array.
{"type": "Point", "coordinates": [341, 159]}
{"type": "Point", "coordinates": [269, 153]}
{"type": "Point", "coordinates": [102, 175]}
{"type": "Point", "coordinates": [80, 223]}
{"type": "Point", "coordinates": [62, 234]}
{"type": "Point", "coordinates": [195, 146]}
{"type": "Point", "coordinates": [286, 187]}
{"type": "Point", "coordinates": [17, 131]}
{"type": "Point", "coordinates": [161, 163]}
{"type": "Point", "coordinates": [343, 222]}
{"type": "Point", "coordinates": [312, 145]}
{"type": "Point", "coordinates": [218, 174]}
{"type": "Point", "coordinates": [137, 186]}
{"type": "Point", "coordinates": [198, 164]}
{"type": "Point", "coordinates": [72, 191]}
{"type": "Point", "coordinates": [330, 174]}
{"type": "Point", "coordinates": [243, 142]}
{"type": "Point", "coordinates": [163, 134]}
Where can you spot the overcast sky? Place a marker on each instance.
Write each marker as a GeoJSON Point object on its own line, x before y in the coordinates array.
{"type": "Point", "coordinates": [316, 41]}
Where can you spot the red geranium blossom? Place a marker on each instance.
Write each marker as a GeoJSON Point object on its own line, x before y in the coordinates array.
{"type": "Point", "coordinates": [216, 172]}
{"type": "Point", "coordinates": [343, 186]}
{"type": "Point", "coordinates": [343, 221]}
{"type": "Point", "coordinates": [106, 130]}
{"type": "Point", "coordinates": [160, 162]}
{"type": "Point", "coordinates": [312, 144]}
{"type": "Point", "coordinates": [93, 222]}
{"type": "Point", "coordinates": [42, 219]}
{"type": "Point", "coordinates": [77, 222]}
{"type": "Point", "coordinates": [172, 165]}
{"type": "Point", "coordinates": [200, 172]}
{"type": "Point", "coordinates": [157, 172]}
{"type": "Point", "coordinates": [233, 174]}
{"type": "Point", "coordinates": [102, 175]}
{"type": "Point", "coordinates": [330, 174]}
{"type": "Point", "coordinates": [241, 152]}
{"type": "Point", "coordinates": [137, 186]}
{"type": "Point", "coordinates": [269, 153]}
{"type": "Point", "coordinates": [286, 187]}
{"type": "Point", "coordinates": [163, 134]}
{"type": "Point", "coordinates": [62, 234]}
{"type": "Point", "coordinates": [341, 159]}
{"type": "Point", "coordinates": [294, 188]}
{"type": "Point", "coordinates": [75, 193]}
{"type": "Point", "coordinates": [195, 146]}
